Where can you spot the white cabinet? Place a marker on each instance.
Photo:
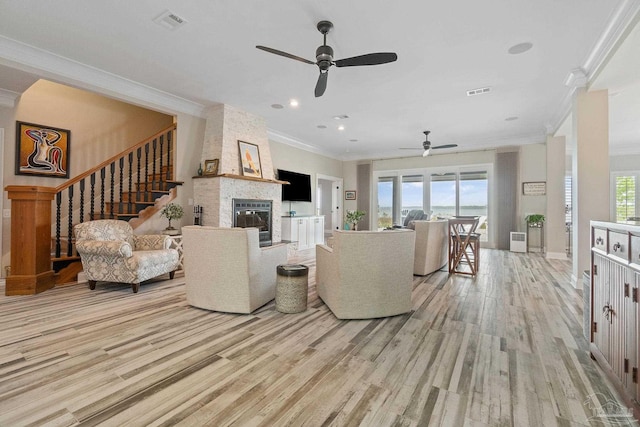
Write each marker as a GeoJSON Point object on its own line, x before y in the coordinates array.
{"type": "Point", "coordinates": [307, 231]}
{"type": "Point", "coordinates": [615, 283]}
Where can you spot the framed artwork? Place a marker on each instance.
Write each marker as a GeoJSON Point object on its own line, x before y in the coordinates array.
{"type": "Point", "coordinates": [350, 194]}
{"type": "Point", "coordinates": [211, 167]}
{"type": "Point", "coordinates": [534, 188]}
{"type": "Point", "coordinates": [42, 150]}
{"type": "Point", "coordinates": [250, 159]}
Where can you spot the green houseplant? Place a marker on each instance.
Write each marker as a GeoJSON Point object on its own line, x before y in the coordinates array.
{"type": "Point", "coordinates": [535, 220]}
{"type": "Point", "coordinates": [171, 211]}
{"type": "Point", "coordinates": [353, 217]}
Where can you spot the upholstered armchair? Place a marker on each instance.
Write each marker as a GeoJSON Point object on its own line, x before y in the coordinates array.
{"type": "Point", "coordinates": [432, 242]}
{"type": "Point", "coordinates": [366, 274]}
{"type": "Point", "coordinates": [226, 269]}
{"type": "Point", "coordinates": [110, 252]}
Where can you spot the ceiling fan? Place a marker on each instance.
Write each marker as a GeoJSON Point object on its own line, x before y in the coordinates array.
{"type": "Point", "coordinates": [324, 58]}
{"type": "Point", "coordinates": [427, 147]}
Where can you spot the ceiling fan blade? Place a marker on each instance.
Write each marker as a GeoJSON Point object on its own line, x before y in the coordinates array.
{"type": "Point", "coordinates": [445, 146]}
{"type": "Point", "coordinates": [285, 54]}
{"type": "Point", "coordinates": [368, 59]}
{"type": "Point", "coordinates": [410, 148]}
{"type": "Point", "coordinates": [321, 86]}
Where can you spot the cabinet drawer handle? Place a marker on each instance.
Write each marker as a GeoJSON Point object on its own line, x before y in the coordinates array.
{"type": "Point", "coordinates": [608, 312]}
{"type": "Point", "coordinates": [599, 241]}
{"type": "Point", "coordinates": [616, 247]}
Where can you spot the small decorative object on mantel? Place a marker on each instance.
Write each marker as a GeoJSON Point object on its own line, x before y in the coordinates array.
{"type": "Point", "coordinates": [353, 217]}
{"type": "Point", "coordinates": [200, 169]}
{"type": "Point", "coordinates": [171, 211]}
{"type": "Point", "coordinates": [211, 167]}
{"type": "Point", "coordinates": [535, 220]}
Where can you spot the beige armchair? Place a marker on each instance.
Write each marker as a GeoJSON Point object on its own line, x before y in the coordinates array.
{"type": "Point", "coordinates": [226, 269]}
{"type": "Point", "coordinates": [431, 246]}
{"type": "Point", "coordinates": [366, 274]}
{"type": "Point", "coordinates": [110, 252]}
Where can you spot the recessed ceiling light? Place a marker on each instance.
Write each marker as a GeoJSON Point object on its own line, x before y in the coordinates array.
{"type": "Point", "coordinates": [341, 127]}
{"type": "Point", "coordinates": [277, 106]}
{"type": "Point", "coordinates": [520, 48]}
{"type": "Point", "coordinates": [510, 119]}
{"type": "Point", "coordinates": [341, 117]}
{"type": "Point", "coordinates": [353, 140]}
{"type": "Point", "coordinates": [322, 127]}
{"type": "Point", "coordinates": [293, 102]}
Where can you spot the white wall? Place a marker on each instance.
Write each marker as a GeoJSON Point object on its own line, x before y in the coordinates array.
{"type": "Point", "coordinates": [533, 168]}
{"type": "Point", "coordinates": [296, 160]}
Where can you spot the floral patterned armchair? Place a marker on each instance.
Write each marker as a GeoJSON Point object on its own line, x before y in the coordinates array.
{"type": "Point", "coordinates": [110, 252]}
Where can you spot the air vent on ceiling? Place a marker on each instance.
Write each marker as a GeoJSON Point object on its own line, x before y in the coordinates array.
{"type": "Point", "coordinates": [170, 20]}
{"type": "Point", "coordinates": [478, 91]}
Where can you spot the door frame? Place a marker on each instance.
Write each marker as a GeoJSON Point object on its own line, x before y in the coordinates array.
{"type": "Point", "coordinates": [336, 200]}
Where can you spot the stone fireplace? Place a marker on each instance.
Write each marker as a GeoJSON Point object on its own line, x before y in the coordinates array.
{"type": "Point", "coordinates": [254, 213]}
{"type": "Point", "coordinates": [226, 126]}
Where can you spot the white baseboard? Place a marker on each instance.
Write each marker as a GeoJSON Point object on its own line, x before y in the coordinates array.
{"type": "Point", "coordinates": [557, 255]}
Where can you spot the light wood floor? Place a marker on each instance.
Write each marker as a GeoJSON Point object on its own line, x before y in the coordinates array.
{"type": "Point", "coordinates": [505, 348]}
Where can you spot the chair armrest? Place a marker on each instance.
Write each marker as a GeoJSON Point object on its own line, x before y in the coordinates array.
{"type": "Point", "coordinates": [114, 248]}
{"type": "Point", "coordinates": [276, 254]}
{"type": "Point", "coordinates": [147, 242]}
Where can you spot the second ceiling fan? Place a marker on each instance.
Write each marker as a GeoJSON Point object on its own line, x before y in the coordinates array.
{"type": "Point", "coordinates": [427, 147]}
{"type": "Point", "coordinates": [324, 58]}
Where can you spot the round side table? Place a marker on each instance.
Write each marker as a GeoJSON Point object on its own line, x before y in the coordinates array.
{"type": "Point", "coordinates": [292, 287]}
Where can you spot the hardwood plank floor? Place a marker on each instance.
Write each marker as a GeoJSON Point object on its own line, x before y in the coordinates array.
{"type": "Point", "coordinates": [504, 348]}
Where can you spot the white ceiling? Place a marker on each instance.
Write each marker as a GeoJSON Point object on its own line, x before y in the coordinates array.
{"type": "Point", "coordinates": [444, 49]}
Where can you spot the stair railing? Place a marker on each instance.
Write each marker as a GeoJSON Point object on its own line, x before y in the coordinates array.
{"type": "Point", "coordinates": [146, 165]}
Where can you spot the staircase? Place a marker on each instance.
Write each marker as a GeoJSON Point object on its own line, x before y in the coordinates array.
{"type": "Point", "coordinates": [131, 186]}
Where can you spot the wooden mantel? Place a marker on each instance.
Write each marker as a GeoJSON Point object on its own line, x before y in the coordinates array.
{"type": "Point", "coordinates": [246, 178]}
{"type": "Point", "coordinates": [31, 271]}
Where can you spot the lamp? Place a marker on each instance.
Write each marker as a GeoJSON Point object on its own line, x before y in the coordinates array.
{"type": "Point", "coordinates": [426, 152]}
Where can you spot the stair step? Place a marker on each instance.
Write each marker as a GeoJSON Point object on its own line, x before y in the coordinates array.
{"type": "Point", "coordinates": [142, 196]}
{"type": "Point", "coordinates": [126, 208]}
{"type": "Point", "coordinates": [157, 185]}
{"type": "Point", "coordinates": [123, 217]}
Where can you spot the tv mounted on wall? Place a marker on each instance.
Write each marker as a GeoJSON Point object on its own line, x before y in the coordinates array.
{"type": "Point", "coordinates": [299, 188]}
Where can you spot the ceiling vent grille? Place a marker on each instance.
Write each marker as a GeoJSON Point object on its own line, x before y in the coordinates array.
{"type": "Point", "coordinates": [170, 20]}
{"type": "Point", "coordinates": [478, 91]}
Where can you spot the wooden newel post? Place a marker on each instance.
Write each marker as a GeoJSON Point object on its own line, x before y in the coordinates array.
{"type": "Point", "coordinates": [31, 270]}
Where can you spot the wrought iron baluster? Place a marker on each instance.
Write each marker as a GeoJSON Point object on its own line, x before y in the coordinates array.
{"type": "Point", "coordinates": [146, 172]}
{"type": "Point", "coordinates": [161, 175]}
{"type": "Point", "coordinates": [138, 183]}
{"type": "Point", "coordinates": [112, 169]}
{"type": "Point", "coordinates": [169, 162]}
{"type": "Point", "coordinates": [103, 173]}
{"type": "Point", "coordinates": [130, 206]}
{"type": "Point", "coordinates": [93, 196]}
{"type": "Point", "coordinates": [121, 186]}
{"type": "Point", "coordinates": [58, 205]}
{"type": "Point", "coordinates": [70, 226]}
{"type": "Point", "coordinates": [82, 200]}
{"type": "Point", "coordinates": [153, 164]}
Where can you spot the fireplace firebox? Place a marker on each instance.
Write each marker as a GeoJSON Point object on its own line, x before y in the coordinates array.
{"type": "Point", "coordinates": [254, 213]}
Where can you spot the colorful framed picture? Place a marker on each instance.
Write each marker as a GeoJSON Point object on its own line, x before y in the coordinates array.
{"type": "Point", "coordinates": [350, 195]}
{"type": "Point", "coordinates": [42, 150]}
{"type": "Point", "coordinates": [211, 167]}
{"type": "Point", "coordinates": [250, 159]}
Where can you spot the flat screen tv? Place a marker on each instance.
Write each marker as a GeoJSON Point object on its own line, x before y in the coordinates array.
{"type": "Point", "coordinates": [299, 187]}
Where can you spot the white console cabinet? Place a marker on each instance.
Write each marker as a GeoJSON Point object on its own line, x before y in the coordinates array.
{"type": "Point", "coordinates": [307, 231]}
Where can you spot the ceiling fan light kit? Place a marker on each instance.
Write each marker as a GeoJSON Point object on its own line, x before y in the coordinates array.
{"type": "Point", "coordinates": [427, 147]}
{"type": "Point", "coordinates": [324, 58]}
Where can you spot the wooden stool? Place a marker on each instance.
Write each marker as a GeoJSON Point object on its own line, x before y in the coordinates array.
{"type": "Point", "coordinates": [464, 245]}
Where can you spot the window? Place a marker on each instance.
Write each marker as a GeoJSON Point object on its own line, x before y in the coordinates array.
{"type": "Point", "coordinates": [625, 197]}
{"type": "Point", "coordinates": [443, 194]}
{"type": "Point", "coordinates": [412, 194]}
{"type": "Point", "coordinates": [385, 202]}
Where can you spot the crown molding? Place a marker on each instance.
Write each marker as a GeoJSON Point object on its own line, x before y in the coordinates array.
{"type": "Point", "coordinates": [622, 20]}
{"type": "Point", "coordinates": [8, 98]}
{"type": "Point", "coordinates": [282, 138]}
{"type": "Point", "coordinates": [64, 70]}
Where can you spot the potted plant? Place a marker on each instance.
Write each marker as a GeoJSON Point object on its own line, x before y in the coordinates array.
{"type": "Point", "coordinates": [534, 220]}
{"type": "Point", "coordinates": [171, 211]}
{"type": "Point", "coordinates": [353, 217]}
